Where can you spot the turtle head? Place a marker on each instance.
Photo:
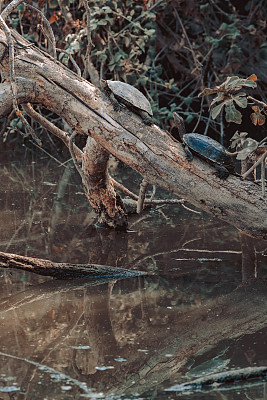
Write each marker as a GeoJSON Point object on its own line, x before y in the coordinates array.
{"type": "Point", "coordinates": [103, 83]}
{"type": "Point", "coordinates": [179, 124]}
{"type": "Point", "coordinates": [105, 86]}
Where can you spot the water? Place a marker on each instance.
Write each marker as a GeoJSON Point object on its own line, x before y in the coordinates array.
{"type": "Point", "coordinates": [200, 311]}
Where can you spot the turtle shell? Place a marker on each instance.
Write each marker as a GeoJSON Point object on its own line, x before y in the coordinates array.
{"type": "Point", "coordinates": [207, 148]}
{"type": "Point", "coordinates": [130, 95]}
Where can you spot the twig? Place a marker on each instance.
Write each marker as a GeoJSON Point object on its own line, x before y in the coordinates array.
{"type": "Point", "coordinates": [190, 209]}
{"type": "Point", "coordinates": [71, 59]}
{"type": "Point", "coordinates": [261, 161]}
{"type": "Point", "coordinates": [154, 188]}
{"type": "Point", "coordinates": [262, 158]}
{"type": "Point", "coordinates": [50, 155]}
{"type": "Point", "coordinates": [263, 175]}
{"type": "Point", "coordinates": [251, 14]}
{"type": "Point", "coordinates": [198, 65]}
{"type": "Point", "coordinates": [123, 189]}
{"type": "Point", "coordinates": [6, 123]}
{"type": "Point", "coordinates": [75, 161]}
{"type": "Point", "coordinates": [51, 128]}
{"type": "Point", "coordinates": [164, 201]}
{"type": "Point", "coordinates": [14, 4]}
{"type": "Point", "coordinates": [89, 67]}
{"type": "Point", "coordinates": [258, 102]}
{"type": "Point", "coordinates": [88, 29]}
{"type": "Point", "coordinates": [184, 249]}
{"type": "Point", "coordinates": [137, 19]}
{"type": "Point", "coordinates": [141, 197]}
{"type": "Point", "coordinates": [10, 8]}
{"type": "Point", "coordinates": [51, 36]}
{"type": "Point", "coordinates": [13, 79]}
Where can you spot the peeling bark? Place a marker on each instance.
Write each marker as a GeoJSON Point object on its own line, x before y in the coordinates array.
{"type": "Point", "coordinates": [99, 188]}
{"type": "Point", "coordinates": [152, 152]}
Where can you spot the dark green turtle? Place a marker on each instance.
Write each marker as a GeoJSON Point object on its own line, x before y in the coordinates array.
{"type": "Point", "coordinates": [206, 148]}
{"type": "Point", "coordinates": [132, 98]}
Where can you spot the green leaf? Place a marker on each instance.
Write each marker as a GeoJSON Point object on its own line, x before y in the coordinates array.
{"type": "Point", "coordinates": [243, 154]}
{"type": "Point", "coordinates": [234, 143]}
{"type": "Point", "coordinates": [243, 134]}
{"type": "Point", "coordinates": [21, 7]}
{"type": "Point", "coordinates": [188, 100]}
{"type": "Point", "coordinates": [189, 119]}
{"type": "Point", "coordinates": [150, 32]}
{"type": "Point", "coordinates": [217, 98]}
{"type": "Point", "coordinates": [127, 41]}
{"type": "Point", "coordinates": [107, 9]}
{"type": "Point", "coordinates": [250, 144]}
{"type": "Point", "coordinates": [231, 81]}
{"type": "Point", "coordinates": [216, 110]}
{"type": "Point", "coordinates": [102, 22]}
{"type": "Point", "coordinates": [19, 125]}
{"type": "Point", "coordinates": [241, 101]}
{"type": "Point", "coordinates": [249, 83]}
{"type": "Point", "coordinates": [232, 114]}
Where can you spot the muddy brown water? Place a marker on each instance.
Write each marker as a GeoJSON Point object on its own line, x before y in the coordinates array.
{"type": "Point", "coordinates": [202, 310]}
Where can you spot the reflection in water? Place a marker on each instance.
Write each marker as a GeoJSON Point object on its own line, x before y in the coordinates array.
{"type": "Point", "coordinates": [78, 339]}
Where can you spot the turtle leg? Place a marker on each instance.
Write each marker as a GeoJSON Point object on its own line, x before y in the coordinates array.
{"type": "Point", "coordinates": [188, 155]}
{"type": "Point", "coordinates": [116, 105]}
{"type": "Point", "coordinates": [221, 171]}
{"type": "Point", "coordinates": [146, 119]}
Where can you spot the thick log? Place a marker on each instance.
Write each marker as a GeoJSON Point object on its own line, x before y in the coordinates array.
{"type": "Point", "coordinates": [63, 270]}
{"type": "Point", "coordinates": [154, 153]}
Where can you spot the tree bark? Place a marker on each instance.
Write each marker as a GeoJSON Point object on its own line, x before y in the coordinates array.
{"type": "Point", "coordinates": [99, 188]}
{"type": "Point", "coordinates": [152, 152]}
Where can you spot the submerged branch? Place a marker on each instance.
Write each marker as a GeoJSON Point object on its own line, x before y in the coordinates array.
{"type": "Point", "coordinates": [220, 378]}
{"type": "Point", "coordinates": [63, 270]}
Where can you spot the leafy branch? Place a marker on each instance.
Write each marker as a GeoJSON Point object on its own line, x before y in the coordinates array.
{"type": "Point", "coordinates": [228, 94]}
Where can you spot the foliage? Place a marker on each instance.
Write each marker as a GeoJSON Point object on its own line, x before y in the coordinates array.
{"type": "Point", "coordinates": [257, 117]}
{"type": "Point", "coordinates": [228, 93]}
{"type": "Point", "coordinates": [244, 146]}
{"type": "Point", "coordinates": [169, 49]}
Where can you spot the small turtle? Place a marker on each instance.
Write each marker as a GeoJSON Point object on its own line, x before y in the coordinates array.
{"type": "Point", "coordinates": [132, 98]}
{"type": "Point", "coordinates": [206, 148]}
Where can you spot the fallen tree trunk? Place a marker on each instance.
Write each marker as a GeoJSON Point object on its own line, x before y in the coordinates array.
{"type": "Point", "coordinates": [152, 152]}
{"type": "Point", "coordinates": [64, 270]}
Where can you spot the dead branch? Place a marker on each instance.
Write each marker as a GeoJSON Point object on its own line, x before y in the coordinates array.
{"type": "Point", "coordinates": [63, 270]}
{"type": "Point", "coordinates": [99, 188]}
{"type": "Point", "coordinates": [142, 196]}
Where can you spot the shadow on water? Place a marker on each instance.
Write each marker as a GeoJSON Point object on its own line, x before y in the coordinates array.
{"type": "Point", "coordinates": [202, 311]}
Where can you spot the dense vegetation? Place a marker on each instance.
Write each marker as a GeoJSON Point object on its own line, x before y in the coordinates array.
{"type": "Point", "coordinates": [171, 50]}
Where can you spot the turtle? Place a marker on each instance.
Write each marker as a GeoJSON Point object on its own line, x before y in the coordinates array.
{"type": "Point", "coordinates": [207, 148]}
{"type": "Point", "coordinates": [123, 93]}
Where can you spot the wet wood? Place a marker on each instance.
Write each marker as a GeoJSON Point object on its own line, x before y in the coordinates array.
{"type": "Point", "coordinates": [63, 270]}
{"type": "Point", "coordinates": [99, 188]}
{"type": "Point", "coordinates": [220, 378]}
{"type": "Point", "coordinates": [152, 152]}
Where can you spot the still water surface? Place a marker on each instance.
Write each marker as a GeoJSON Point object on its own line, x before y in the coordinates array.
{"type": "Point", "coordinates": [200, 311]}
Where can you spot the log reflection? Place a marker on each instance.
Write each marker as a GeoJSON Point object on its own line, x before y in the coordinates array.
{"type": "Point", "coordinates": [118, 337]}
